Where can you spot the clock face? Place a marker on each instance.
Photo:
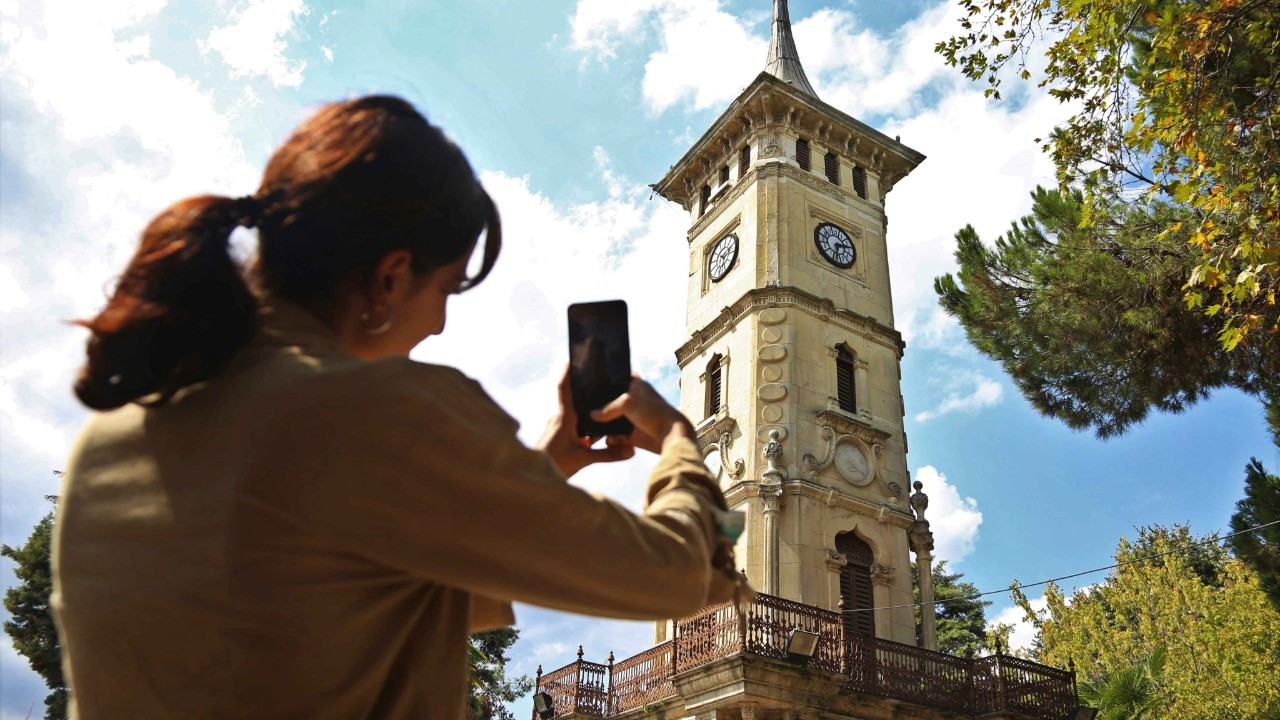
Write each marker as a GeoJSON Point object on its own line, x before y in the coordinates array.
{"type": "Point", "coordinates": [835, 245]}
{"type": "Point", "coordinates": [722, 256]}
{"type": "Point", "coordinates": [852, 464]}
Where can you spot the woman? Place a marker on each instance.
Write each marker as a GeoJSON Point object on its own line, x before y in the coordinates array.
{"type": "Point", "coordinates": [279, 515]}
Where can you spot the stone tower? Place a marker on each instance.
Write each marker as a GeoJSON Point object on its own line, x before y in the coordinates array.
{"type": "Point", "coordinates": [792, 366]}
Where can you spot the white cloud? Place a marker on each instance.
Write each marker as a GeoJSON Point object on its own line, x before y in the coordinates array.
{"type": "Point", "coordinates": [982, 160]}
{"type": "Point", "coordinates": [953, 519]}
{"type": "Point", "coordinates": [254, 43]}
{"type": "Point", "coordinates": [965, 390]}
{"type": "Point", "coordinates": [599, 26]}
{"type": "Point", "coordinates": [1023, 633]}
{"type": "Point", "coordinates": [100, 155]}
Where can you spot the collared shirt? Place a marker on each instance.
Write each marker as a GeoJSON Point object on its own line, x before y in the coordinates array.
{"type": "Point", "coordinates": [309, 535]}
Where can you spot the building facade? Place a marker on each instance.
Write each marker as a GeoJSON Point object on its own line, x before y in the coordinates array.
{"type": "Point", "coordinates": [792, 374]}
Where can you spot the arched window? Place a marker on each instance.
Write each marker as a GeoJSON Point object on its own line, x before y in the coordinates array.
{"type": "Point", "coordinates": [831, 164]}
{"type": "Point", "coordinates": [855, 585]}
{"type": "Point", "coordinates": [845, 394]}
{"type": "Point", "coordinates": [715, 385]}
{"type": "Point", "coordinates": [704, 199]}
{"type": "Point", "coordinates": [860, 182]}
{"type": "Point", "coordinates": [744, 161]}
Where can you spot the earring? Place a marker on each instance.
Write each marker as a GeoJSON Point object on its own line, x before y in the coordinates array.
{"type": "Point", "coordinates": [366, 319]}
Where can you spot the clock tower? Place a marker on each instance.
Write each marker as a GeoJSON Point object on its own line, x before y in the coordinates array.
{"type": "Point", "coordinates": [792, 365]}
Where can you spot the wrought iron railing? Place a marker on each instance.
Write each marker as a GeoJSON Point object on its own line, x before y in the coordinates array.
{"type": "Point", "coordinates": [643, 679]}
{"type": "Point", "coordinates": [870, 665]}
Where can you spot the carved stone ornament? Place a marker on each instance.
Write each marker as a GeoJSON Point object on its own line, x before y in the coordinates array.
{"type": "Point", "coordinates": [717, 437]}
{"type": "Point", "coordinates": [772, 456]}
{"type": "Point", "coordinates": [919, 502]}
{"type": "Point", "coordinates": [920, 537]}
{"type": "Point", "coordinates": [836, 561]}
{"type": "Point", "coordinates": [882, 574]}
{"type": "Point", "coordinates": [771, 494]}
{"type": "Point", "coordinates": [894, 488]}
{"type": "Point", "coordinates": [853, 458]}
{"type": "Point", "coordinates": [771, 151]}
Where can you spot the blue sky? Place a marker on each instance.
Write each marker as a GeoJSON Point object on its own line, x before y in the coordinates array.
{"type": "Point", "coordinates": [568, 109]}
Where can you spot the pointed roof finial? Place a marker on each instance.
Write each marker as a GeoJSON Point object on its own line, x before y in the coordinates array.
{"type": "Point", "coordinates": [784, 61]}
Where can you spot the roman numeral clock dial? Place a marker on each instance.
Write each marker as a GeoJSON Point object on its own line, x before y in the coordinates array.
{"type": "Point", "coordinates": [835, 245]}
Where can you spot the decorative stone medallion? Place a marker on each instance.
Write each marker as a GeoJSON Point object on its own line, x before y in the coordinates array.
{"type": "Point", "coordinates": [852, 464]}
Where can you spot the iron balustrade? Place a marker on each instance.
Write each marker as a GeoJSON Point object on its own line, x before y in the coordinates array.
{"type": "Point", "coordinates": [973, 686]}
{"type": "Point", "coordinates": [643, 679]}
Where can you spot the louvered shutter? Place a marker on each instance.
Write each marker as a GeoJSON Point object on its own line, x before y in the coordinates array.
{"type": "Point", "coordinates": [844, 381]}
{"type": "Point", "coordinates": [860, 182]}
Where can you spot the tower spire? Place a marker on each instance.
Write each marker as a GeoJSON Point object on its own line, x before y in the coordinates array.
{"type": "Point", "coordinates": [784, 61]}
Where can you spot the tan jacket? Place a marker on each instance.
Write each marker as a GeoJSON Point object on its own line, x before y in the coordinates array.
{"type": "Point", "coordinates": [313, 536]}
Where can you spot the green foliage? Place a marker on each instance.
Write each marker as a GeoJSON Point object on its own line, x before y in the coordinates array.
{"type": "Point", "coordinates": [961, 618]}
{"type": "Point", "coordinates": [490, 688]}
{"type": "Point", "coordinates": [1131, 693]}
{"type": "Point", "coordinates": [32, 629]}
{"type": "Point", "coordinates": [1087, 317]}
{"type": "Point", "coordinates": [1174, 101]}
{"type": "Point", "coordinates": [1220, 633]}
{"type": "Point", "coordinates": [1261, 549]}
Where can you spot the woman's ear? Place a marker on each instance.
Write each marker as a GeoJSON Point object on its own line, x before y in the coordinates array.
{"type": "Point", "coordinates": [393, 279]}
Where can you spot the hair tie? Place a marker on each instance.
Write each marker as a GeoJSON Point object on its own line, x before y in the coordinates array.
{"type": "Point", "coordinates": [248, 210]}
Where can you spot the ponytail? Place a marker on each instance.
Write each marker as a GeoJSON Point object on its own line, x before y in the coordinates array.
{"type": "Point", "coordinates": [181, 309]}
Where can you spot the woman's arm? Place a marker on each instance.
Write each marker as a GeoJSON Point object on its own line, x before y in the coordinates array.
{"type": "Point", "coordinates": [466, 504]}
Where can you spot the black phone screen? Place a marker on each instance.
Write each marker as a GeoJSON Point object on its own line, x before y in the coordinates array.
{"type": "Point", "coordinates": [599, 363]}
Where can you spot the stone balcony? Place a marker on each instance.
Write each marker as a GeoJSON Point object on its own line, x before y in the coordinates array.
{"type": "Point", "coordinates": [732, 665]}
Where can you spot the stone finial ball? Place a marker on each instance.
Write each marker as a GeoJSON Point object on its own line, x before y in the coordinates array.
{"type": "Point", "coordinates": [917, 485]}
{"type": "Point", "coordinates": [773, 435]}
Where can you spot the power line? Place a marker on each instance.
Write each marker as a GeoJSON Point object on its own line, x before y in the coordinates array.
{"type": "Point", "coordinates": [1152, 556]}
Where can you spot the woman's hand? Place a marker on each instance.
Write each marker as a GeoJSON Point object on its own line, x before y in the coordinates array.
{"type": "Point", "coordinates": [571, 453]}
{"type": "Point", "coordinates": [655, 421]}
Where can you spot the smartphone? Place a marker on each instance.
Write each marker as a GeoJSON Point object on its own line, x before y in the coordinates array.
{"type": "Point", "coordinates": [599, 363]}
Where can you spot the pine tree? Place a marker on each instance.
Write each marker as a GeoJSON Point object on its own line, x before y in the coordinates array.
{"type": "Point", "coordinates": [1261, 549]}
{"type": "Point", "coordinates": [490, 688]}
{"type": "Point", "coordinates": [32, 629]}
{"type": "Point", "coordinates": [961, 618]}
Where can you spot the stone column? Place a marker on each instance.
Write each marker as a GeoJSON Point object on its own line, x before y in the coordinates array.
{"type": "Point", "coordinates": [770, 492]}
{"type": "Point", "coordinates": [922, 543]}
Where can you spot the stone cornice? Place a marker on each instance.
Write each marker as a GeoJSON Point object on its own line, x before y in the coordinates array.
{"type": "Point", "coordinates": [831, 497]}
{"type": "Point", "coordinates": [842, 423]}
{"type": "Point", "coordinates": [761, 298]}
{"type": "Point", "coordinates": [770, 102]}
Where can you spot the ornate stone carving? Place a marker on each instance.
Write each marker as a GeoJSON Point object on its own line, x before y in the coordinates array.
{"type": "Point", "coordinates": [812, 465]}
{"type": "Point", "coordinates": [919, 502]}
{"type": "Point", "coordinates": [771, 494]}
{"type": "Point", "coordinates": [836, 561]}
{"type": "Point", "coordinates": [842, 423]}
{"type": "Point", "coordinates": [771, 151]}
{"type": "Point", "coordinates": [894, 488]}
{"type": "Point", "coordinates": [882, 574]}
{"type": "Point", "coordinates": [920, 537]}
{"type": "Point", "coordinates": [772, 457]}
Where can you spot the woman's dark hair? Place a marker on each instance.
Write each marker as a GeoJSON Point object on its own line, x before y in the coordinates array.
{"type": "Point", "coordinates": [357, 180]}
